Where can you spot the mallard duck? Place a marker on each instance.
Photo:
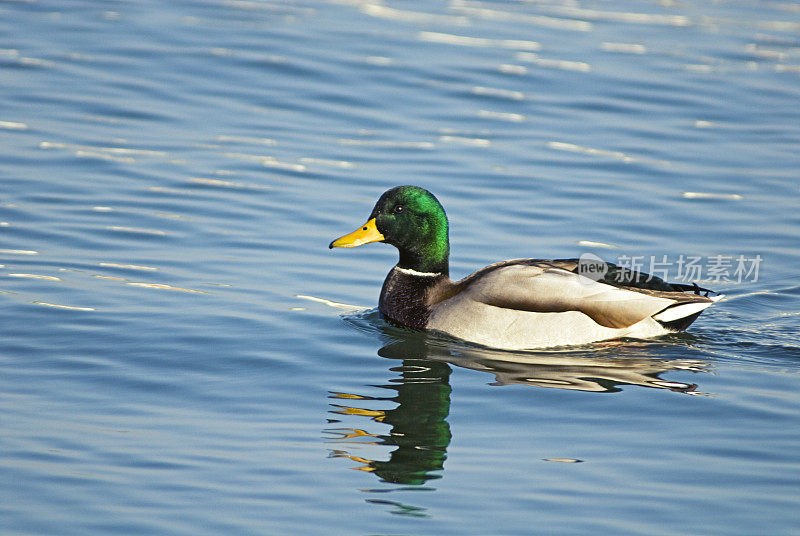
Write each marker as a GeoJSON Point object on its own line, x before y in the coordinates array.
{"type": "Point", "coordinates": [514, 304]}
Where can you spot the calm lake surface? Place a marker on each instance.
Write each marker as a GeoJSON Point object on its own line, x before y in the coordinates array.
{"type": "Point", "coordinates": [181, 354]}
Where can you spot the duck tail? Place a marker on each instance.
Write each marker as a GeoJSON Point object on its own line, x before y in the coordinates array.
{"type": "Point", "coordinates": [679, 316]}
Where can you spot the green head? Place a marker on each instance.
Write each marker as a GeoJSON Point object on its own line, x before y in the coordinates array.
{"type": "Point", "coordinates": [411, 219]}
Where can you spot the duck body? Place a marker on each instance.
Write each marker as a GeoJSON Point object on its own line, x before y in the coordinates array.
{"type": "Point", "coordinates": [515, 304]}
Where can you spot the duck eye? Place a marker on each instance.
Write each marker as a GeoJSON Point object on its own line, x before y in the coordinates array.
{"type": "Point", "coordinates": [398, 209]}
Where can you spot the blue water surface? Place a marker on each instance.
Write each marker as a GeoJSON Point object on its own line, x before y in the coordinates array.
{"type": "Point", "coordinates": [181, 354]}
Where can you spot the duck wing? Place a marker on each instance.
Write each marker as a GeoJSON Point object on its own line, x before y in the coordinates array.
{"type": "Point", "coordinates": [551, 287]}
{"type": "Point", "coordinates": [620, 276]}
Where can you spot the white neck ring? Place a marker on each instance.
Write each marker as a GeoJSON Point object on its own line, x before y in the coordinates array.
{"type": "Point", "coordinates": [409, 271]}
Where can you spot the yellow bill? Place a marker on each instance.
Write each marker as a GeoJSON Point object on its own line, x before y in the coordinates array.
{"type": "Point", "coordinates": [364, 235]}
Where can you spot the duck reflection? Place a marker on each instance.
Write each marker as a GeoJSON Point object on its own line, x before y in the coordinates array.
{"type": "Point", "coordinates": [419, 429]}
{"type": "Point", "coordinates": [605, 371]}
{"type": "Point", "coordinates": [417, 400]}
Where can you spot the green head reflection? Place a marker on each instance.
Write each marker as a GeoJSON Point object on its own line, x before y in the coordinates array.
{"type": "Point", "coordinates": [418, 424]}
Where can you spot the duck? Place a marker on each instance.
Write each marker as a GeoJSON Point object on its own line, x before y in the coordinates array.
{"type": "Point", "coordinates": [517, 304]}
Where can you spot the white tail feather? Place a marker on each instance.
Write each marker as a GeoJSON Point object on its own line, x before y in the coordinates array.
{"type": "Point", "coordinates": [683, 310]}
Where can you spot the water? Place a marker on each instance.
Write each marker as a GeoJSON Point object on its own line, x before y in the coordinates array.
{"type": "Point", "coordinates": [172, 173]}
